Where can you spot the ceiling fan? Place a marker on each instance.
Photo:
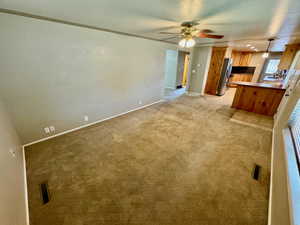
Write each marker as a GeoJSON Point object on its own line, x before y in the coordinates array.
{"type": "Point", "coordinates": [189, 32]}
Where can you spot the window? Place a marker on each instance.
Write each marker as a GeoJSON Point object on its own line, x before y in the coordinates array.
{"type": "Point", "coordinates": [294, 124]}
{"type": "Point", "coordinates": [272, 66]}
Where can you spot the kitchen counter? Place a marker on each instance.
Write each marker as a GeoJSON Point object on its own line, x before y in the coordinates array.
{"type": "Point", "coordinates": [259, 98]}
{"type": "Point", "coordinates": [261, 85]}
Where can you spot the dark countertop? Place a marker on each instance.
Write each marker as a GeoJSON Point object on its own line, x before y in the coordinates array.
{"type": "Point", "coordinates": [260, 85]}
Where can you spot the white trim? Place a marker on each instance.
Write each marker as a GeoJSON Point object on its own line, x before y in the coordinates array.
{"type": "Point", "coordinates": [25, 186]}
{"type": "Point", "coordinates": [172, 88]}
{"type": "Point", "coordinates": [271, 181]}
{"type": "Point", "coordinates": [90, 124]}
{"type": "Point", "coordinates": [293, 180]}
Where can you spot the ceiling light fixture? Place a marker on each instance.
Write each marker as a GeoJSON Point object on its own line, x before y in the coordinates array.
{"type": "Point", "coordinates": [248, 45]}
{"type": "Point", "coordinates": [187, 42]}
{"type": "Point", "coordinates": [266, 54]}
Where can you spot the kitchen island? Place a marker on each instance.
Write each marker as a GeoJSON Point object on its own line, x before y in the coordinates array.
{"type": "Point", "coordinates": [259, 98]}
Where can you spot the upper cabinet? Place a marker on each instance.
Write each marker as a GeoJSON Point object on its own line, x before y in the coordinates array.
{"type": "Point", "coordinates": [241, 58]}
{"type": "Point", "coordinates": [288, 56]}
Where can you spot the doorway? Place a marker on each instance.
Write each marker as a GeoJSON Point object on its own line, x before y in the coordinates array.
{"type": "Point", "coordinates": [183, 65]}
{"type": "Point", "coordinates": [176, 73]}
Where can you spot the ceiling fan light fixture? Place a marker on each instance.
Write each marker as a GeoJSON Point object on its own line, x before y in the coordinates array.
{"type": "Point", "coordinates": [187, 43]}
{"type": "Point", "coordinates": [182, 43]}
{"type": "Point", "coordinates": [190, 43]}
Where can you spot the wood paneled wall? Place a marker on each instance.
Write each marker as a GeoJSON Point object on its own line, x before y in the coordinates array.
{"type": "Point", "coordinates": [215, 67]}
{"type": "Point", "coordinates": [288, 56]}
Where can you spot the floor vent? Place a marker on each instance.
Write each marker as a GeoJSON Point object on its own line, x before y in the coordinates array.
{"type": "Point", "coordinates": [256, 172]}
{"type": "Point", "coordinates": [44, 192]}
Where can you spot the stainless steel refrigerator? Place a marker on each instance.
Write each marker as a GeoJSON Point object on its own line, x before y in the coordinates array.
{"type": "Point", "coordinates": [224, 78]}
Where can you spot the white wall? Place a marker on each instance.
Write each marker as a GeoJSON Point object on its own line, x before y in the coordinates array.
{"type": "Point", "coordinates": [258, 61]}
{"type": "Point", "coordinates": [12, 190]}
{"type": "Point", "coordinates": [200, 61]}
{"type": "Point", "coordinates": [54, 74]}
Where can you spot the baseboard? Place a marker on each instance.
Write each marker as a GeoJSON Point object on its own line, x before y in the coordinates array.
{"type": "Point", "coordinates": [190, 93]}
{"type": "Point", "coordinates": [171, 88]}
{"type": "Point", "coordinates": [25, 186]}
{"type": "Point", "coordinates": [90, 124]}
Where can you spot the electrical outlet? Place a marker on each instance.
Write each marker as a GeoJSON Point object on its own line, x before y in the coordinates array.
{"type": "Point", "coordinates": [47, 130]}
{"type": "Point", "coordinates": [12, 152]}
{"type": "Point", "coordinates": [86, 118]}
{"type": "Point", "coordinates": [52, 128]}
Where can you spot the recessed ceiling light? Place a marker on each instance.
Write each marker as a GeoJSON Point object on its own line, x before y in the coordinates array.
{"type": "Point", "coordinates": [248, 45]}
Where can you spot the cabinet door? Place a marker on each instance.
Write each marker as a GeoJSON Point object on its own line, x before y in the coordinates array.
{"type": "Point", "coordinates": [288, 56]}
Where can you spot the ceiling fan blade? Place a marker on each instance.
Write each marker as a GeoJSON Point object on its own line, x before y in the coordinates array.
{"type": "Point", "coordinates": [233, 23]}
{"type": "Point", "coordinates": [223, 6]}
{"type": "Point", "coordinates": [207, 31]}
{"type": "Point", "coordinates": [162, 29]}
{"type": "Point", "coordinates": [170, 33]}
{"type": "Point", "coordinates": [204, 35]}
{"type": "Point", "coordinates": [169, 38]}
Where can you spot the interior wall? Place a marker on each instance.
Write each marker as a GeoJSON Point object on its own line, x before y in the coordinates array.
{"type": "Point", "coordinates": [55, 74]}
{"type": "Point", "coordinates": [200, 62]}
{"type": "Point", "coordinates": [171, 69]}
{"type": "Point", "coordinates": [12, 191]}
{"type": "Point", "coordinates": [258, 61]}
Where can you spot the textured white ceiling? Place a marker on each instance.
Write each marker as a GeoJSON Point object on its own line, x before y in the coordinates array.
{"type": "Point", "coordinates": [236, 19]}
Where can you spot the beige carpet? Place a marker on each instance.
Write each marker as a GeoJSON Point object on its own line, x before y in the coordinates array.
{"type": "Point", "coordinates": [253, 120]}
{"type": "Point", "coordinates": [176, 163]}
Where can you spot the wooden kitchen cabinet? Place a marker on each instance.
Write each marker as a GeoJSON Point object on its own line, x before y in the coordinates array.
{"type": "Point", "coordinates": [241, 58]}
{"type": "Point", "coordinates": [288, 56]}
{"type": "Point", "coordinates": [258, 97]}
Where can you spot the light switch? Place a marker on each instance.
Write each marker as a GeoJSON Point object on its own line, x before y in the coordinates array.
{"type": "Point", "coordinates": [12, 152]}
{"type": "Point", "coordinates": [52, 128]}
{"type": "Point", "coordinates": [47, 130]}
